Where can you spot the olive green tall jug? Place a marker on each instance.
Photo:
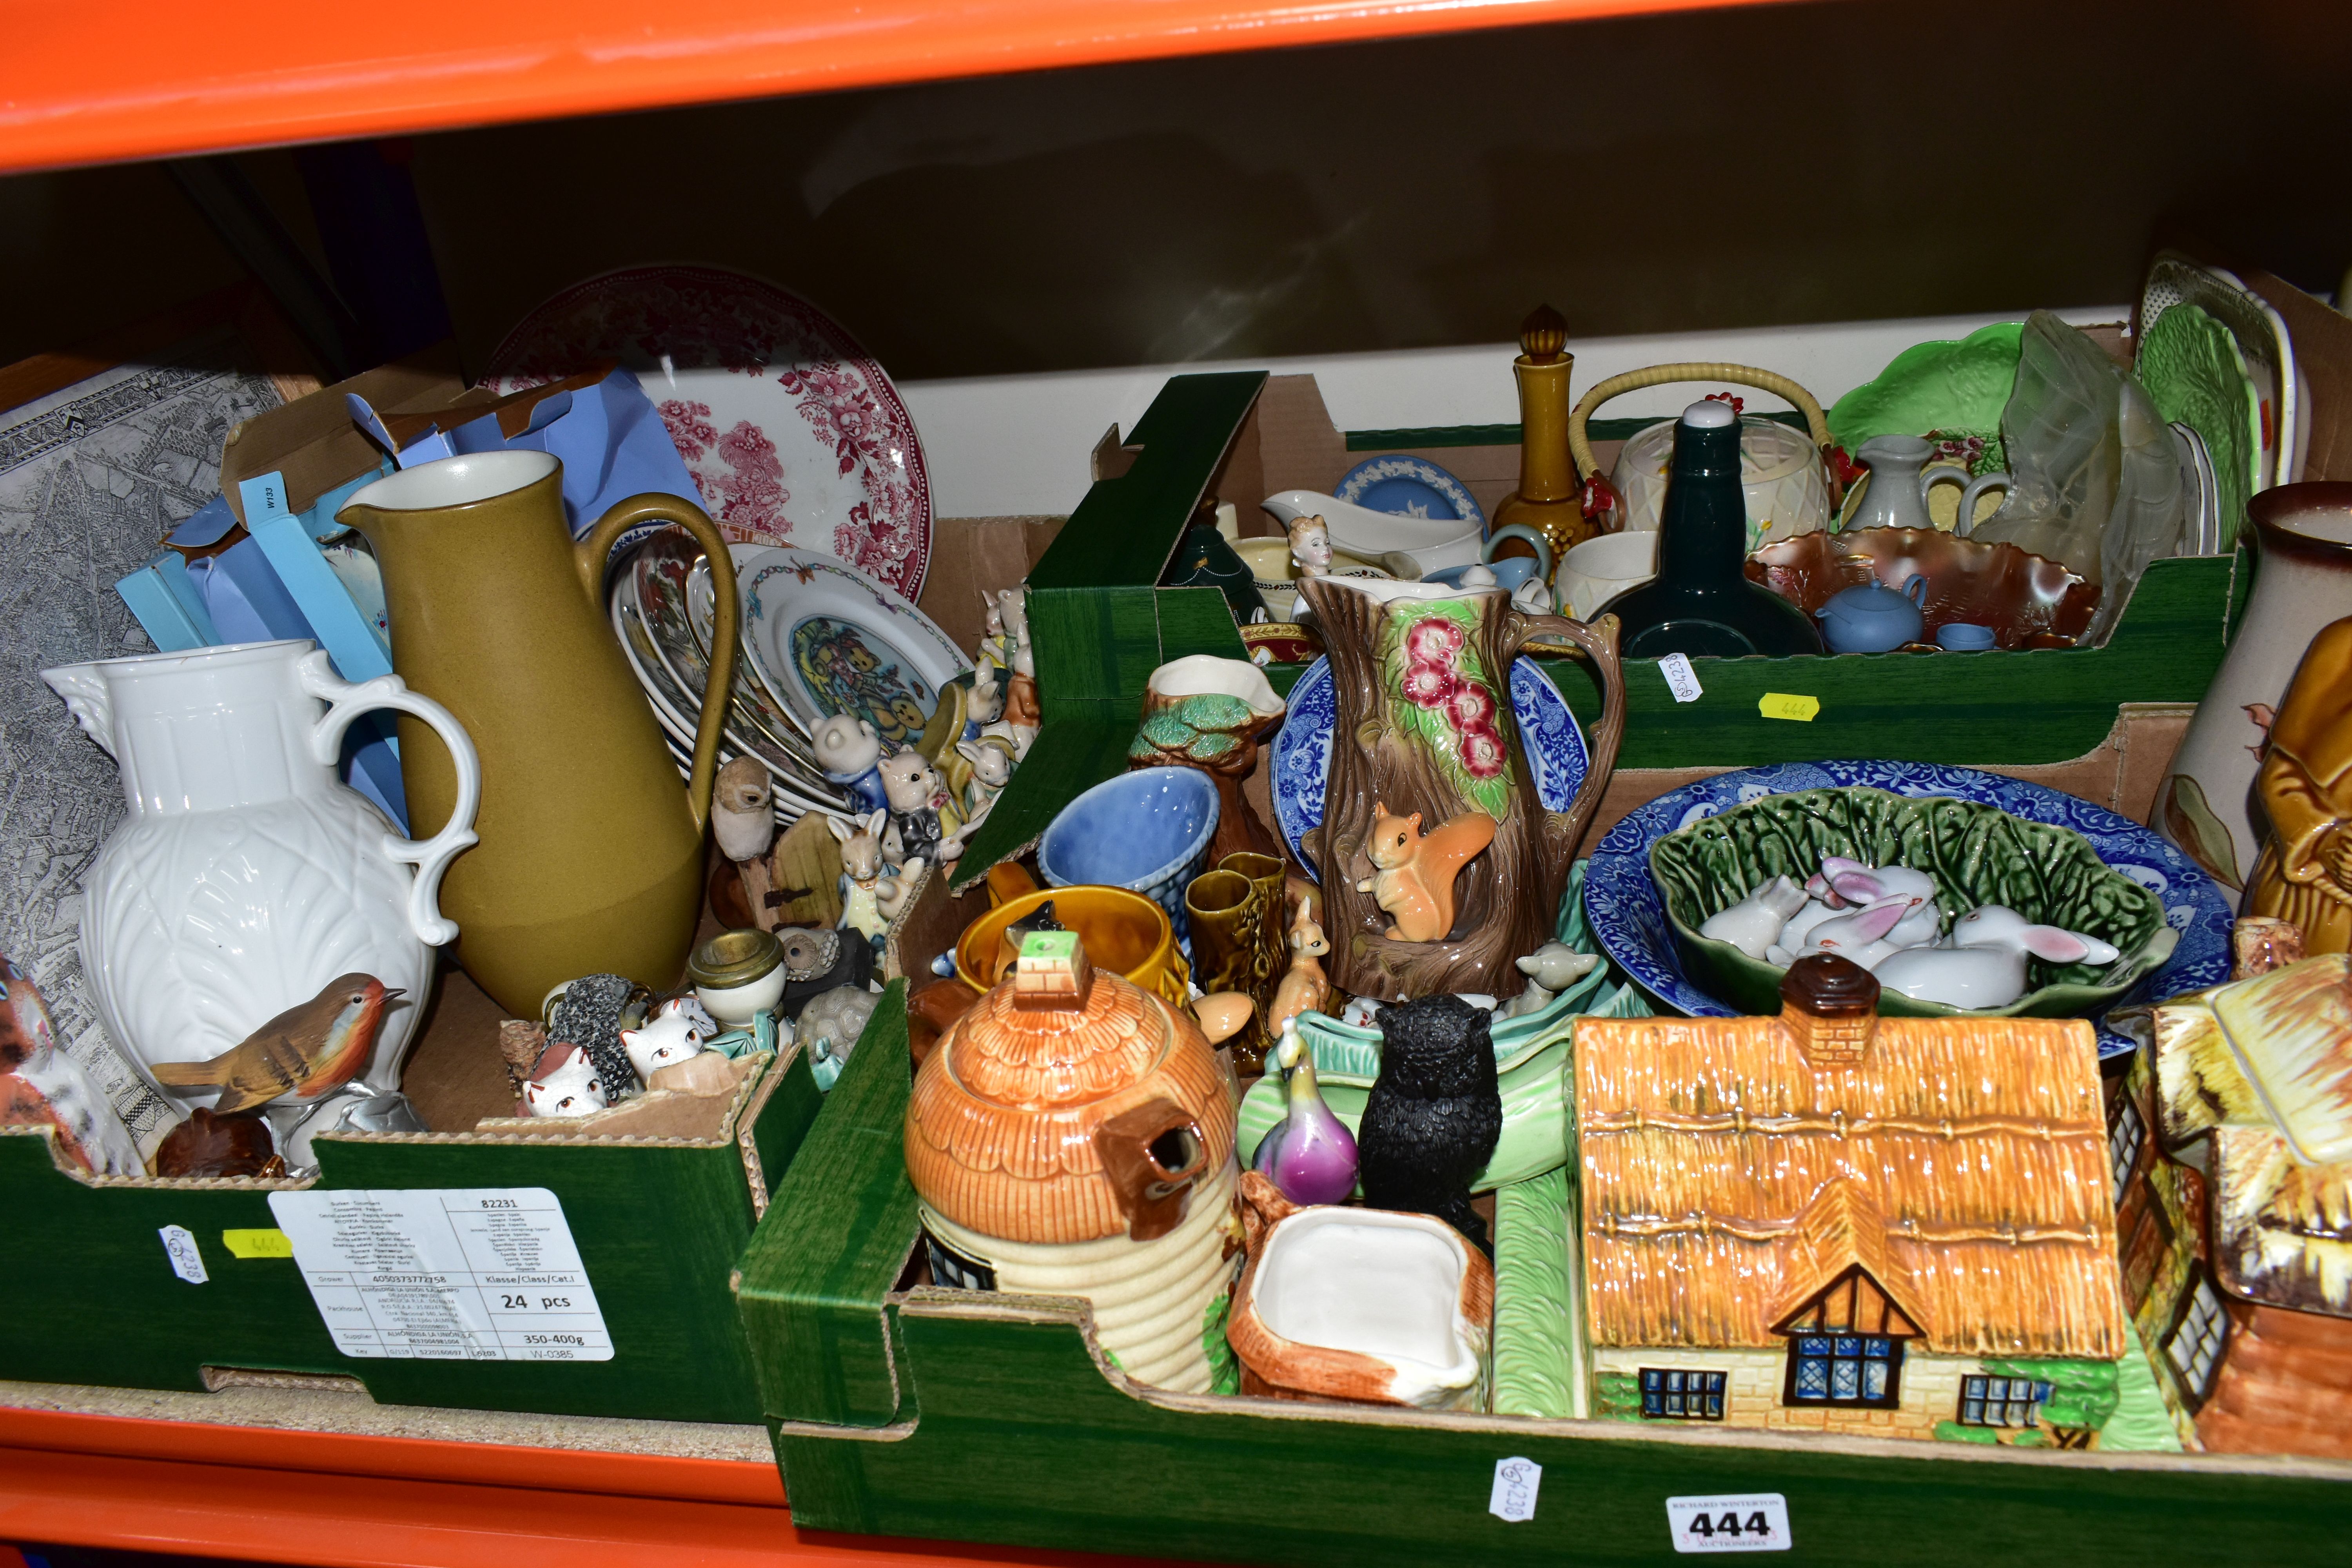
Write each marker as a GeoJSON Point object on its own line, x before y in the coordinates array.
{"type": "Point", "coordinates": [590, 852]}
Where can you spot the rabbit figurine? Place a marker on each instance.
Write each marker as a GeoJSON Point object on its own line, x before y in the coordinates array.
{"type": "Point", "coordinates": [1860, 935]}
{"type": "Point", "coordinates": [1755, 922]}
{"type": "Point", "coordinates": [1857, 883]}
{"type": "Point", "coordinates": [872, 894]}
{"type": "Point", "coordinates": [1985, 964]}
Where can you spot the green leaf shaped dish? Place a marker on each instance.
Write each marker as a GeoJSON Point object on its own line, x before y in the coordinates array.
{"type": "Point", "coordinates": [1978, 854]}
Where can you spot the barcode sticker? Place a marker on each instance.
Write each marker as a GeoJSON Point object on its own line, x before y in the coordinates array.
{"type": "Point", "coordinates": [1680, 680]}
{"type": "Point", "coordinates": [1758, 1522]}
{"type": "Point", "coordinates": [1516, 1482]}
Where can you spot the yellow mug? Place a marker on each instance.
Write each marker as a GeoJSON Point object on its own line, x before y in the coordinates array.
{"type": "Point", "coordinates": [1122, 931]}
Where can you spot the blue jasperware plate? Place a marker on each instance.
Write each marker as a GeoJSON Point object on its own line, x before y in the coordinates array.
{"type": "Point", "coordinates": [1409, 487]}
{"type": "Point", "coordinates": [1302, 747]}
{"type": "Point", "coordinates": [1628, 915]}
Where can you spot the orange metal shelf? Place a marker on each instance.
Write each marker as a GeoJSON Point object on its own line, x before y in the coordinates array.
{"type": "Point", "coordinates": [106, 80]}
{"type": "Point", "coordinates": [335, 1501]}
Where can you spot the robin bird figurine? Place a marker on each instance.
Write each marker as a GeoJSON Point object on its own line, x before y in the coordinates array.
{"type": "Point", "coordinates": [305, 1050]}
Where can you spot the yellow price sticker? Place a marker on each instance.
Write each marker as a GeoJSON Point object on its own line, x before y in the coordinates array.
{"type": "Point", "coordinates": [1781, 705]}
{"type": "Point", "coordinates": [257, 1243]}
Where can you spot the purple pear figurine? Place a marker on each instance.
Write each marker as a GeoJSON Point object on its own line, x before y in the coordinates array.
{"type": "Point", "coordinates": [1309, 1154]}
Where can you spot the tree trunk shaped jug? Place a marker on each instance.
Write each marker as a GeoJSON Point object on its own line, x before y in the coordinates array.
{"type": "Point", "coordinates": [590, 852]}
{"type": "Point", "coordinates": [1425, 725]}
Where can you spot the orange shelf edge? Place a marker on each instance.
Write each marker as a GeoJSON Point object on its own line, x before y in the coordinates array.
{"type": "Point", "coordinates": [105, 81]}
{"type": "Point", "coordinates": [332, 1500]}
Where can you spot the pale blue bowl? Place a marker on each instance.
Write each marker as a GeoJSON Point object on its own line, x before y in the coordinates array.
{"type": "Point", "coordinates": [1148, 830]}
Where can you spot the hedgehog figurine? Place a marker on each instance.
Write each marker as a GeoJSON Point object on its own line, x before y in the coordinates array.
{"type": "Point", "coordinates": [1434, 1114]}
{"type": "Point", "coordinates": [590, 1013]}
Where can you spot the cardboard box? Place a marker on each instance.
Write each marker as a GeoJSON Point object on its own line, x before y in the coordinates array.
{"type": "Point", "coordinates": [658, 1215]}
{"type": "Point", "coordinates": [902, 1409]}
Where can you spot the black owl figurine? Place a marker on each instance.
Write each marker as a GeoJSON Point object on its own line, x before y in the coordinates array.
{"type": "Point", "coordinates": [1435, 1113]}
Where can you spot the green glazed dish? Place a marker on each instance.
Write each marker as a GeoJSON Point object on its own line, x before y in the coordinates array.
{"type": "Point", "coordinates": [1978, 854]}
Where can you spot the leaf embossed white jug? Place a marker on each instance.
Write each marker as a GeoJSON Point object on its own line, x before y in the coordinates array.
{"type": "Point", "coordinates": [248, 875]}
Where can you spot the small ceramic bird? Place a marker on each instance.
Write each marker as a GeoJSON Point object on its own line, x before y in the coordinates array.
{"type": "Point", "coordinates": [743, 810]}
{"type": "Point", "coordinates": [1434, 1114]}
{"type": "Point", "coordinates": [305, 1050]}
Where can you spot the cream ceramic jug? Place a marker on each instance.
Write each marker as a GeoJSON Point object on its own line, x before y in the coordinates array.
{"type": "Point", "coordinates": [247, 876]}
{"type": "Point", "coordinates": [1900, 477]}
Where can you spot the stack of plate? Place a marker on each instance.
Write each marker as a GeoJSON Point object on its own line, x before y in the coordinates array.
{"type": "Point", "coordinates": [817, 637]}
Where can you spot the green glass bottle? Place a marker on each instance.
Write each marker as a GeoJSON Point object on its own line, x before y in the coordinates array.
{"type": "Point", "coordinates": [1701, 602]}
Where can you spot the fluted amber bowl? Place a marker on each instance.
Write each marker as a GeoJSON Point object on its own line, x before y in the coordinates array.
{"type": "Point", "coordinates": [2028, 600]}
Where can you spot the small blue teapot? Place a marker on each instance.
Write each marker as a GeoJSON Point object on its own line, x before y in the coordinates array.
{"type": "Point", "coordinates": [1871, 618]}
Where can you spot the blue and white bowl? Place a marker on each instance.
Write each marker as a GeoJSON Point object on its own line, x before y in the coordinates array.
{"type": "Point", "coordinates": [1148, 830]}
{"type": "Point", "coordinates": [1628, 914]}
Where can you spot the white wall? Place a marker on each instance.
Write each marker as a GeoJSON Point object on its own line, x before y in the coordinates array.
{"type": "Point", "coordinates": [1018, 445]}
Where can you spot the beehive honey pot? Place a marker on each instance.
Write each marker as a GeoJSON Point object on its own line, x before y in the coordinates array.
{"type": "Point", "coordinates": [1071, 1135]}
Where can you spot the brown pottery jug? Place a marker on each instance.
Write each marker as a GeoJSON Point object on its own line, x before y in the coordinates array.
{"type": "Point", "coordinates": [590, 853]}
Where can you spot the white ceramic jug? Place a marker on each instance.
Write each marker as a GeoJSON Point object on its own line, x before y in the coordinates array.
{"type": "Point", "coordinates": [1900, 477]}
{"type": "Point", "coordinates": [248, 875]}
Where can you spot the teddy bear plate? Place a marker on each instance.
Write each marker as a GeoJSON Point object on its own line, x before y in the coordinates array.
{"type": "Point", "coordinates": [1302, 748]}
{"type": "Point", "coordinates": [826, 639]}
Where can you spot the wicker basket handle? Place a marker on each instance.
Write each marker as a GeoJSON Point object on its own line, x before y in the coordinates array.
{"type": "Point", "coordinates": [1580, 446]}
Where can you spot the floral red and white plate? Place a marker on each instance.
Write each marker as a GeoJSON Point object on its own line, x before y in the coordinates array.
{"type": "Point", "coordinates": [794, 435]}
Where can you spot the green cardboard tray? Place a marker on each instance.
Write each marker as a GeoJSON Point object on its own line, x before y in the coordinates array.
{"type": "Point", "coordinates": [1101, 624]}
{"type": "Point", "coordinates": [658, 1223]}
{"type": "Point", "coordinates": [993, 1417]}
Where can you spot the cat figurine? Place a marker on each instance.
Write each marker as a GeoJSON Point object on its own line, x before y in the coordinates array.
{"type": "Point", "coordinates": [564, 1083]}
{"type": "Point", "coordinates": [673, 1033]}
{"type": "Point", "coordinates": [1413, 876]}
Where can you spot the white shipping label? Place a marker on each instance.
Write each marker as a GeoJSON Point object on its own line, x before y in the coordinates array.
{"type": "Point", "coordinates": [1515, 1484]}
{"type": "Point", "coordinates": [1758, 1522]}
{"type": "Point", "coordinates": [446, 1274]}
{"type": "Point", "coordinates": [1682, 680]}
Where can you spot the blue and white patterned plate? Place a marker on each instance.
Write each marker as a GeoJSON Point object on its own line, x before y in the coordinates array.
{"type": "Point", "coordinates": [1302, 747]}
{"type": "Point", "coordinates": [1629, 916]}
{"type": "Point", "coordinates": [1409, 487]}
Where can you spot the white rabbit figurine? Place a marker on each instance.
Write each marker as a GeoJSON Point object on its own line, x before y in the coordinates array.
{"type": "Point", "coordinates": [1859, 935]}
{"type": "Point", "coordinates": [1984, 964]}
{"type": "Point", "coordinates": [1857, 883]}
{"type": "Point", "coordinates": [1755, 923]}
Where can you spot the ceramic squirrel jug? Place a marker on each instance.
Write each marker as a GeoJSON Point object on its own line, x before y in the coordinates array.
{"type": "Point", "coordinates": [1422, 678]}
{"type": "Point", "coordinates": [247, 876]}
{"type": "Point", "coordinates": [590, 853]}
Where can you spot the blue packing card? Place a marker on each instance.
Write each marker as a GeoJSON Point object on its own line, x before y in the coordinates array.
{"type": "Point", "coordinates": [613, 445]}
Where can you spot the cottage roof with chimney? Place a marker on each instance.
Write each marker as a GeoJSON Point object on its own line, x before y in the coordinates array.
{"type": "Point", "coordinates": [1943, 1180]}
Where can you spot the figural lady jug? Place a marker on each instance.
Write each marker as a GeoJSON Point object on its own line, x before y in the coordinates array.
{"type": "Point", "coordinates": [247, 876]}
